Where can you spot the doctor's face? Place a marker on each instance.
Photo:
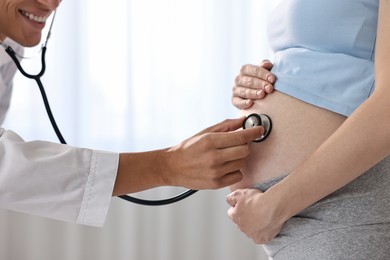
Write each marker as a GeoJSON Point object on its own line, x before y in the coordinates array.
{"type": "Point", "coordinates": [23, 20]}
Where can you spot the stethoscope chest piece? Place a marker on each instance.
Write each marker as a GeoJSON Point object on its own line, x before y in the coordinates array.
{"type": "Point", "coordinates": [263, 120]}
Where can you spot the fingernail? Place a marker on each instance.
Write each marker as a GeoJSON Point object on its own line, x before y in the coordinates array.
{"type": "Point", "coordinates": [268, 88]}
{"type": "Point", "coordinates": [258, 93]}
{"type": "Point", "coordinates": [271, 79]}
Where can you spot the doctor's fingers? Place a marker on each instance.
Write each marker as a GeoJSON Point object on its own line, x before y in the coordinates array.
{"type": "Point", "coordinates": [226, 168]}
{"type": "Point", "coordinates": [227, 179]}
{"type": "Point", "coordinates": [228, 161]}
{"type": "Point", "coordinates": [227, 125]}
{"type": "Point", "coordinates": [236, 138]}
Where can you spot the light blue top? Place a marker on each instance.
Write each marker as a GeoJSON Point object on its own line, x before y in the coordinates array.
{"type": "Point", "coordinates": [324, 51]}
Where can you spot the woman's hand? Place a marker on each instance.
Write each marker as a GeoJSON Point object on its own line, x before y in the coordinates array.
{"type": "Point", "coordinates": [254, 215]}
{"type": "Point", "coordinates": [253, 82]}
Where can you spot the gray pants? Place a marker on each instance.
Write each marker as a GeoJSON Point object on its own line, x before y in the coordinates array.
{"type": "Point", "coordinates": [351, 223]}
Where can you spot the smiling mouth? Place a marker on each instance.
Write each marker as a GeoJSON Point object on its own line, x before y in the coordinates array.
{"type": "Point", "coordinates": [35, 18]}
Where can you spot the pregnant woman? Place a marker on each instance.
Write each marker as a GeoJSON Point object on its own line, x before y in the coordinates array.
{"type": "Point", "coordinates": [319, 186]}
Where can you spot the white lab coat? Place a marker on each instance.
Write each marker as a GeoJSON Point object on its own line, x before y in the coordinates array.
{"type": "Point", "coordinates": [50, 179]}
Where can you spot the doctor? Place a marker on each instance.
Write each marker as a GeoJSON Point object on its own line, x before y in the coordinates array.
{"type": "Point", "coordinates": [76, 184]}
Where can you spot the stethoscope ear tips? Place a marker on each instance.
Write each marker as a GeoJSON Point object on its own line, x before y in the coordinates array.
{"type": "Point", "coordinates": [254, 120]}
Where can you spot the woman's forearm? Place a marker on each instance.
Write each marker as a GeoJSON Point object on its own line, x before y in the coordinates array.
{"type": "Point", "coordinates": [361, 142]}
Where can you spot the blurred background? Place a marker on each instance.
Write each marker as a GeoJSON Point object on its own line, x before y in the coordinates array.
{"type": "Point", "coordinates": [131, 75]}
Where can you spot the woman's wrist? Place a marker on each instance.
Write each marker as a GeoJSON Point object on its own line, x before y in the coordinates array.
{"type": "Point", "coordinates": [284, 203]}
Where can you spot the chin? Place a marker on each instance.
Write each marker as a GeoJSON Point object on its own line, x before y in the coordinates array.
{"type": "Point", "coordinates": [29, 41]}
{"type": "Point", "coordinates": [29, 44]}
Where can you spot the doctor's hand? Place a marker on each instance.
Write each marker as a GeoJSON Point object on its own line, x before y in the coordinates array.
{"type": "Point", "coordinates": [209, 160]}
{"type": "Point", "coordinates": [212, 158]}
{"type": "Point", "coordinates": [254, 215]}
{"type": "Point", "coordinates": [253, 82]}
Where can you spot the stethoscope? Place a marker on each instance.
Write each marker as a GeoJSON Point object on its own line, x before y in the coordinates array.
{"type": "Point", "coordinates": [252, 120]}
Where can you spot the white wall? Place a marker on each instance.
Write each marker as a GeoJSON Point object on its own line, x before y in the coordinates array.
{"type": "Point", "coordinates": [135, 76]}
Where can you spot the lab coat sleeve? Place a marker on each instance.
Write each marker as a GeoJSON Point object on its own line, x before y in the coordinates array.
{"type": "Point", "coordinates": [56, 181]}
{"type": "Point", "coordinates": [7, 72]}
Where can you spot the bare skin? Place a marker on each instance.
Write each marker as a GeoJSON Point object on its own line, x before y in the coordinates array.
{"type": "Point", "coordinates": [209, 160]}
{"type": "Point", "coordinates": [343, 151]}
{"type": "Point", "coordinates": [298, 129]}
{"type": "Point", "coordinates": [253, 83]}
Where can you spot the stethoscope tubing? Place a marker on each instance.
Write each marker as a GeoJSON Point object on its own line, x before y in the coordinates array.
{"type": "Point", "coordinates": [162, 202]}
{"type": "Point", "coordinates": [37, 78]}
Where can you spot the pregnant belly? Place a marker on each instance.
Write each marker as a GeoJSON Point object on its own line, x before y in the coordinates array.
{"type": "Point", "coordinates": [298, 129]}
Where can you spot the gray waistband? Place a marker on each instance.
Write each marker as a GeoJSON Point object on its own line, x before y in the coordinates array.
{"type": "Point", "coordinates": [268, 184]}
{"type": "Point", "coordinates": [365, 202]}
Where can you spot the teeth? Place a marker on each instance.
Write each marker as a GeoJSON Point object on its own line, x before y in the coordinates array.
{"type": "Point", "coordinates": [38, 19]}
